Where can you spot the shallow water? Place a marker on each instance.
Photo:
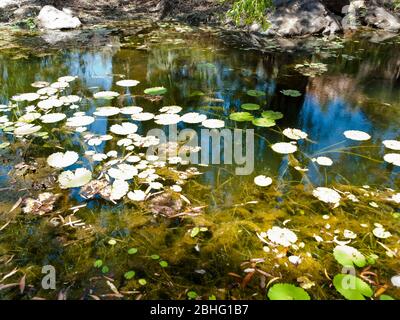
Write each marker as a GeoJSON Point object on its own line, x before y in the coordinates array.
{"type": "Point", "coordinates": [359, 91]}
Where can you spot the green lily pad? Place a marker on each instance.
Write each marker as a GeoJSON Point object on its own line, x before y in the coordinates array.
{"type": "Point", "coordinates": [192, 295]}
{"type": "Point", "coordinates": [241, 116]}
{"type": "Point", "coordinates": [105, 269]}
{"type": "Point", "coordinates": [291, 93]}
{"type": "Point", "coordinates": [142, 282]}
{"type": "Point", "coordinates": [132, 251]}
{"type": "Point", "coordinates": [255, 93]}
{"type": "Point", "coordinates": [351, 287]}
{"type": "Point", "coordinates": [98, 263]}
{"type": "Point", "coordinates": [348, 256]}
{"type": "Point", "coordinates": [272, 115]}
{"type": "Point", "coordinates": [155, 256]}
{"type": "Point", "coordinates": [129, 275]}
{"type": "Point", "coordinates": [156, 91]}
{"type": "Point", "coordinates": [163, 263]}
{"type": "Point", "coordinates": [286, 291]}
{"type": "Point", "coordinates": [250, 106]}
{"type": "Point", "coordinates": [263, 122]}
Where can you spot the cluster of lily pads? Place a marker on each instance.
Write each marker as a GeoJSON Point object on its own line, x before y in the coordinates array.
{"type": "Point", "coordinates": [267, 118]}
{"type": "Point", "coordinates": [30, 115]}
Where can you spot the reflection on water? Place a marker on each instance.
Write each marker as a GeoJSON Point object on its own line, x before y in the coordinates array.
{"type": "Point", "coordinates": [360, 91]}
{"type": "Point", "coordinates": [213, 79]}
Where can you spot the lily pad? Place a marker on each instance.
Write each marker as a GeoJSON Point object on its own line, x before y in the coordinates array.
{"type": "Point", "coordinates": [291, 93]}
{"type": "Point", "coordinates": [74, 179]}
{"type": "Point", "coordinates": [129, 275]}
{"type": "Point", "coordinates": [286, 291]}
{"type": "Point", "coordinates": [62, 160]}
{"type": "Point", "coordinates": [241, 116]}
{"type": "Point", "coordinates": [255, 93]}
{"type": "Point", "coordinates": [250, 106]}
{"type": "Point", "coordinates": [163, 263]}
{"type": "Point", "coordinates": [272, 115]}
{"type": "Point", "coordinates": [132, 251]}
{"type": "Point", "coordinates": [348, 256]}
{"type": "Point", "coordinates": [351, 287]}
{"type": "Point", "coordinates": [263, 122]}
{"type": "Point", "coordinates": [108, 95]}
{"type": "Point", "coordinates": [156, 91]}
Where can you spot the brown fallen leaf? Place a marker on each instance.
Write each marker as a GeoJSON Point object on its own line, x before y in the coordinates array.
{"type": "Point", "coordinates": [247, 279]}
{"type": "Point", "coordinates": [381, 290]}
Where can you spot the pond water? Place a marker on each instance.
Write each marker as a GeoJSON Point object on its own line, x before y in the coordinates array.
{"type": "Point", "coordinates": [209, 242]}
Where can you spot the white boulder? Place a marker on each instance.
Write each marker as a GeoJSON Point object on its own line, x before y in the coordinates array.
{"type": "Point", "coordinates": [54, 19]}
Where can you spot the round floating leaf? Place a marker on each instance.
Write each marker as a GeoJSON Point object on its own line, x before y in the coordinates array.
{"type": "Point", "coordinates": [272, 115]}
{"type": "Point", "coordinates": [74, 179]}
{"type": "Point", "coordinates": [163, 263]}
{"type": "Point", "coordinates": [132, 251]}
{"type": "Point", "coordinates": [241, 116]}
{"type": "Point", "coordinates": [155, 91]}
{"type": "Point", "coordinates": [286, 291]}
{"type": "Point", "coordinates": [255, 93]}
{"type": "Point", "coordinates": [291, 93]}
{"type": "Point", "coordinates": [129, 275]}
{"type": "Point", "coordinates": [263, 122]}
{"type": "Point", "coordinates": [105, 269]}
{"type": "Point", "coordinates": [98, 263]}
{"type": "Point", "coordinates": [62, 160]}
{"type": "Point", "coordinates": [250, 106]}
{"type": "Point", "coordinates": [192, 295]}
{"type": "Point", "coordinates": [142, 282]}
{"type": "Point", "coordinates": [112, 242]}
{"type": "Point", "coordinates": [347, 256]}
{"type": "Point", "coordinates": [155, 256]}
{"type": "Point", "coordinates": [351, 287]}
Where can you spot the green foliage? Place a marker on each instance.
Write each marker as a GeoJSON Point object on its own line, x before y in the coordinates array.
{"type": "Point", "coordinates": [347, 256]}
{"type": "Point", "coordinates": [129, 275]}
{"type": "Point", "coordinates": [250, 11]}
{"type": "Point", "coordinates": [351, 287]}
{"type": "Point", "coordinates": [286, 291]}
{"type": "Point", "coordinates": [192, 295]}
{"type": "Point", "coordinates": [241, 116]}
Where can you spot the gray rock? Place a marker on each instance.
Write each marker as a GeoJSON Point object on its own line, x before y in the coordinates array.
{"type": "Point", "coordinates": [302, 17]}
{"type": "Point", "coordinates": [382, 19]}
{"type": "Point", "coordinates": [25, 12]}
{"type": "Point", "coordinates": [6, 3]}
{"type": "Point", "coordinates": [53, 19]}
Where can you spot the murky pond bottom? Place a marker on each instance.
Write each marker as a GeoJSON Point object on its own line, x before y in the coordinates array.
{"type": "Point", "coordinates": [195, 231]}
